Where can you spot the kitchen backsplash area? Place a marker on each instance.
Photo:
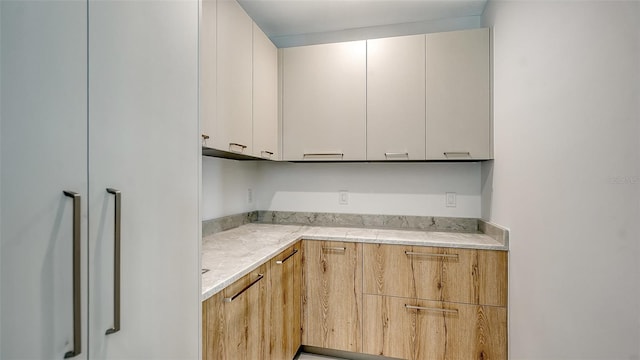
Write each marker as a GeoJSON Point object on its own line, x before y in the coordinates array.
{"type": "Point", "coordinates": [399, 222]}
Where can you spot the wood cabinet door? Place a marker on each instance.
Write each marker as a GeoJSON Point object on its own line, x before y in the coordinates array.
{"type": "Point", "coordinates": [234, 131]}
{"type": "Point", "coordinates": [324, 102]}
{"type": "Point", "coordinates": [396, 98]}
{"type": "Point", "coordinates": [236, 319]}
{"type": "Point", "coordinates": [286, 312]}
{"type": "Point", "coordinates": [332, 301]}
{"type": "Point", "coordinates": [265, 96]}
{"type": "Point", "coordinates": [445, 274]}
{"type": "Point", "coordinates": [424, 330]}
{"type": "Point", "coordinates": [458, 95]}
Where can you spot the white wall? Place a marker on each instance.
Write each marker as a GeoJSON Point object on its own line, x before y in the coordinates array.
{"type": "Point", "coordinates": [565, 178]}
{"type": "Point", "coordinates": [374, 188]}
{"type": "Point", "coordinates": [224, 187]}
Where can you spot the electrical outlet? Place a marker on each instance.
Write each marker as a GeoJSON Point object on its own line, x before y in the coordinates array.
{"type": "Point", "coordinates": [450, 199]}
{"type": "Point", "coordinates": [250, 196]}
{"type": "Point", "coordinates": [343, 197]}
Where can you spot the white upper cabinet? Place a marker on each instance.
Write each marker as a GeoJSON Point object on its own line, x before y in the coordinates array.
{"type": "Point", "coordinates": [324, 102]}
{"type": "Point", "coordinates": [396, 98]}
{"type": "Point", "coordinates": [265, 96]}
{"type": "Point", "coordinates": [458, 96]}
{"type": "Point", "coordinates": [234, 125]}
{"type": "Point", "coordinates": [208, 71]}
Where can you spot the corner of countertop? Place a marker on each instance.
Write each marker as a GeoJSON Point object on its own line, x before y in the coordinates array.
{"type": "Point", "coordinates": [499, 233]}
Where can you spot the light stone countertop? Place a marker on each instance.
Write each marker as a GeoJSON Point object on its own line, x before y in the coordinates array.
{"type": "Point", "coordinates": [231, 254]}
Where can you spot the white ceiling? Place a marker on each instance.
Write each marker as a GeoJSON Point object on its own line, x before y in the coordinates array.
{"type": "Point", "coordinates": [282, 18]}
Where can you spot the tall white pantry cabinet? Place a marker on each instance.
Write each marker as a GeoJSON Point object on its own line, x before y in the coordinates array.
{"type": "Point", "coordinates": [100, 154]}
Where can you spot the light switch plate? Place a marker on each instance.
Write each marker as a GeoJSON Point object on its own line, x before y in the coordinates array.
{"type": "Point", "coordinates": [343, 197]}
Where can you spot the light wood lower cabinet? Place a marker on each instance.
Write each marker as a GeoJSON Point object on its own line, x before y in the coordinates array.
{"type": "Point", "coordinates": [420, 329]}
{"type": "Point", "coordinates": [332, 299]}
{"type": "Point", "coordinates": [236, 319]}
{"type": "Point", "coordinates": [285, 314]}
{"type": "Point", "coordinates": [445, 274]}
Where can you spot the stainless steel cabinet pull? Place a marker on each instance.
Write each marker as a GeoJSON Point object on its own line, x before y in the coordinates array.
{"type": "Point", "coordinates": [280, 262]}
{"type": "Point", "coordinates": [448, 311]}
{"type": "Point", "coordinates": [77, 321]}
{"type": "Point", "coordinates": [116, 263]}
{"type": "Point", "coordinates": [457, 153]}
{"type": "Point", "coordinates": [242, 147]}
{"type": "Point", "coordinates": [396, 154]}
{"type": "Point", "coordinates": [411, 253]}
{"type": "Point", "coordinates": [334, 248]}
{"type": "Point", "coordinates": [230, 299]}
{"type": "Point", "coordinates": [323, 154]}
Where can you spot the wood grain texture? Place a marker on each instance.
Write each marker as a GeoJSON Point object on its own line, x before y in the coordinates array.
{"type": "Point", "coordinates": [332, 300]}
{"type": "Point", "coordinates": [444, 274]}
{"type": "Point", "coordinates": [473, 332]}
{"type": "Point", "coordinates": [285, 332]}
{"type": "Point", "coordinates": [239, 329]}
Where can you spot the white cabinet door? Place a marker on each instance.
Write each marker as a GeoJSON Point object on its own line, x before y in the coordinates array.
{"type": "Point", "coordinates": [458, 95]}
{"type": "Point", "coordinates": [144, 142]}
{"type": "Point", "coordinates": [324, 102]}
{"type": "Point", "coordinates": [234, 80]}
{"type": "Point", "coordinates": [43, 153]}
{"type": "Point", "coordinates": [396, 98]}
{"type": "Point", "coordinates": [208, 10]}
{"type": "Point", "coordinates": [265, 96]}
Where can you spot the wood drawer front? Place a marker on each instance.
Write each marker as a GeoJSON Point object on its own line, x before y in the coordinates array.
{"type": "Point", "coordinates": [438, 330]}
{"type": "Point", "coordinates": [444, 274]}
{"type": "Point", "coordinates": [332, 299]}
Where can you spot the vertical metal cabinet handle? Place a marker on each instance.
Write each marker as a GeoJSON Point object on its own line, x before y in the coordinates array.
{"type": "Point", "coordinates": [77, 321]}
{"type": "Point", "coordinates": [448, 311]}
{"type": "Point", "coordinates": [116, 262]}
{"type": "Point", "coordinates": [280, 262]}
{"type": "Point", "coordinates": [230, 299]}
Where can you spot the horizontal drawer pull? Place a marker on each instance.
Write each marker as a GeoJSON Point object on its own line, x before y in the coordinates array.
{"type": "Point", "coordinates": [266, 154]}
{"type": "Point", "coordinates": [334, 248]}
{"type": "Point", "coordinates": [341, 155]}
{"type": "Point", "coordinates": [449, 256]}
{"type": "Point", "coordinates": [205, 136]}
{"type": "Point", "coordinates": [230, 299]}
{"type": "Point", "coordinates": [280, 262]}
{"type": "Point", "coordinates": [396, 154]}
{"type": "Point", "coordinates": [457, 153]}
{"type": "Point", "coordinates": [448, 311]}
{"type": "Point", "coordinates": [242, 147]}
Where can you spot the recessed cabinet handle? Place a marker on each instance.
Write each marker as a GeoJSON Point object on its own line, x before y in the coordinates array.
{"type": "Point", "coordinates": [334, 248]}
{"type": "Point", "coordinates": [116, 262]}
{"type": "Point", "coordinates": [242, 147]}
{"type": "Point", "coordinates": [280, 262]}
{"type": "Point", "coordinates": [328, 154]}
{"type": "Point", "coordinates": [230, 299]}
{"type": "Point", "coordinates": [77, 321]}
{"type": "Point", "coordinates": [396, 154]}
{"type": "Point", "coordinates": [411, 253]}
{"type": "Point", "coordinates": [448, 311]}
{"type": "Point", "coordinates": [456, 153]}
